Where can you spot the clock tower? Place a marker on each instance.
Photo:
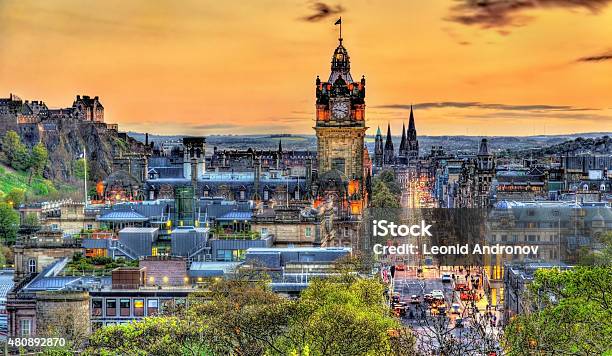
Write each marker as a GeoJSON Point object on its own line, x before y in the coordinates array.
{"type": "Point", "coordinates": [340, 129]}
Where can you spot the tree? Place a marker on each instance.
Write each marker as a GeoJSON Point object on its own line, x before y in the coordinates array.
{"type": "Point", "coordinates": [167, 336]}
{"type": "Point", "coordinates": [31, 220]}
{"type": "Point", "coordinates": [9, 223]}
{"type": "Point", "coordinates": [388, 177]}
{"type": "Point", "coordinates": [17, 155]}
{"type": "Point", "coordinates": [382, 196]}
{"type": "Point", "coordinates": [15, 197]}
{"type": "Point", "coordinates": [38, 161]}
{"type": "Point", "coordinates": [342, 317]}
{"type": "Point", "coordinates": [240, 317]}
{"type": "Point", "coordinates": [79, 168]}
{"type": "Point", "coordinates": [568, 312]}
{"type": "Point", "coordinates": [11, 143]}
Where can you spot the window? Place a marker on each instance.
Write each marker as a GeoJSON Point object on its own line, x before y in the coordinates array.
{"type": "Point", "coordinates": [111, 307]}
{"type": "Point", "coordinates": [89, 226]}
{"type": "Point", "coordinates": [138, 307]}
{"type": "Point", "coordinates": [346, 232]}
{"type": "Point", "coordinates": [308, 231]}
{"type": "Point", "coordinates": [167, 304]}
{"type": "Point", "coordinates": [152, 307]}
{"type": "Point", "coordinates": [32, 265]}
{"type": "Point", "coordinates": [504, 238]}
{"type": "Point", "coordinates": [264, 231]}
{"type": "Point", "coordinates": [124, 307]}
{"type": "Point", "coordinates": [96, 307]}
{"type": "Point", "coordinates": [25, 327]}
{"type": "Point", "coordinates": [54, 227]}
{"type": "Point", "coordinates": [224, 255]}
{"type": "Point", "coordinates": [266, 195]}
{"type": "Point", "coordinates": [338, 163]}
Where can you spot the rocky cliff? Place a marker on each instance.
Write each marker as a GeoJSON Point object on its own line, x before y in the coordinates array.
{"type": "Point", "coordinates": [67, 139]}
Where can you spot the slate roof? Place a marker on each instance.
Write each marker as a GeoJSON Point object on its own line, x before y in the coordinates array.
{"type": "Point", "coordinates": [128, 215]}
{"type": "Point", "coordinates": [236, 215]}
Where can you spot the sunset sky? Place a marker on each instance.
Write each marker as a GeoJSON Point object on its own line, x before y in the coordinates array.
{"type": "Point", "coordinates": [475, 67]}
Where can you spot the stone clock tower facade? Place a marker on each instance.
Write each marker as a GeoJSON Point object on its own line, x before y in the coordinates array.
{"type": "Point", "coordinates": [340, 129]}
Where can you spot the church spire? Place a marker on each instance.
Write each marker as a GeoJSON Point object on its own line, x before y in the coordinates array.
{"type": "Point", "coordinates": [403, 141]}
{"type": "Point", "coordinates": [280, 146]}
{"type": "Point", "coordinates": [411, 125]}
{"type": "Point", "coordinates": [389, 141]}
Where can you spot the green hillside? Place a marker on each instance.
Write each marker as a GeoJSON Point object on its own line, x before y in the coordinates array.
{"type": "Point", "coordinates": [39, 189]}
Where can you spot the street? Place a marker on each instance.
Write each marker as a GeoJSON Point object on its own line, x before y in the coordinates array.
{"type": "Point", "coordinates": [460, 325]}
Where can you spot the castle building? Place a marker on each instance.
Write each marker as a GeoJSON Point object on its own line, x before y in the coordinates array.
{"type": "Point", "coordinates": [88, 109]}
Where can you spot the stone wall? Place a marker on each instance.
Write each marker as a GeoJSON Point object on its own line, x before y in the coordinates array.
{"type": "Point", "coordinates": [63, 314]}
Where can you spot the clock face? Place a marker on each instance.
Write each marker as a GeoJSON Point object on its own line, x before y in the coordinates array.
{"type": "Point", "coordinates": [340, 110]}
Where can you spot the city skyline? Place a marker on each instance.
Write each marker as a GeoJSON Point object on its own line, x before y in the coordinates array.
{"type": "Point", "coordinates": [211, 68]}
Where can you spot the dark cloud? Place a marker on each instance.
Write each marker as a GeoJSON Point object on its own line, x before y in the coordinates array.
{"type": "Point", "coordinates": [509, 13]}
{"type": "Point", "coordinates": [322, 11]}
{"type": "Point", "coordinates": [597, 58]}
{"type": "Point", "coordinates": [475, 104]}
{"type": "Point", "coordinates": [214, 127]}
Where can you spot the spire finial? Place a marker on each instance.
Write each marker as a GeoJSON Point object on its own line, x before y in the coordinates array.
{"type": "Point", "coordinates": [339, 22]}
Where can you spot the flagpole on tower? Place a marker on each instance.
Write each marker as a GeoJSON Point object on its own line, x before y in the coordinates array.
{"type": "Point", "coordinates": [339, 22]}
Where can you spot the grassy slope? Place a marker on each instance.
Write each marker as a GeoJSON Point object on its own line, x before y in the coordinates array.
{"type": "Point", "coordinates": [11, 179]}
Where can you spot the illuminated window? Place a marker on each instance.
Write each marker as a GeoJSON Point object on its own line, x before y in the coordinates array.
{"type": "Point", "coordinates": [152, 307]}
{"type": "Point", "coordinates": [138, 307]}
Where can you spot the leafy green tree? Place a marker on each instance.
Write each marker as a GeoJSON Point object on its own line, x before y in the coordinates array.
{"type": "Point", "coordinates": [79, 168]}
{"type": "Point", "coordinates": [38, 161]}
{"type": "Point", "coordinates": [343, 317]}
{"type": "Point", "coordinates": [17, 155]}
{"type": "Point", "coordinates": [167, 336]}
{"type": "Point", "coordinates": [241, 317]}
{"type": "Point", "coordinates": [382, 197]}
{"type": "Point", "coordinates": [9, 223]}
{"type": "Point", "coordinates": [569, 312]}
{"type": "Point", "coordinates": [15, 197]}
{"type": "Point", "coordinates": [31, 220]}
{"type": "Point", "coordinates": [388, 177]}
{"type": "Point", "coordinates": [601, 257]}
{"type": "Point", "coordinates": [11, 143]}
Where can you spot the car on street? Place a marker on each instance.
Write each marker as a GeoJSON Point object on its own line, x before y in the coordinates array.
{"type": "Point", "coordinates": [446, 278]}
{"type": "Point", "coordinates": [461, 286]}
{"type": "Point", "coordinates": [437, 294]}
{"type": "Point", "coordinates": [428, 298]}
{"type": "Point", "coordinates": [442, 309]}
{"type": "Point", "coordinates": [456, 308]}
{"type": "Point", "coordinates": [415, 299]}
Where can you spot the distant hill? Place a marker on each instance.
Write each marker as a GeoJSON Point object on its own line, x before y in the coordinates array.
{"type": "Point", "coordinates": [580, 145]}
{"type": "Point", "coordinates": [468, 144]}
